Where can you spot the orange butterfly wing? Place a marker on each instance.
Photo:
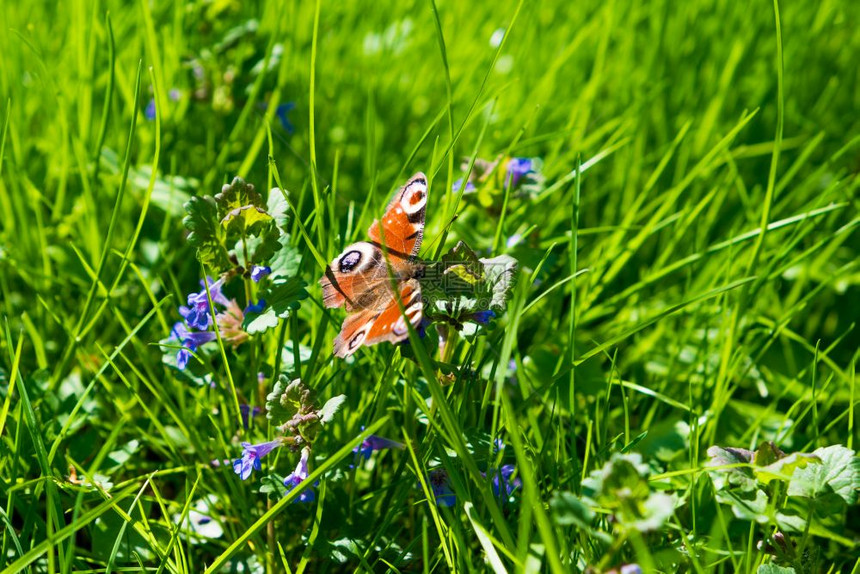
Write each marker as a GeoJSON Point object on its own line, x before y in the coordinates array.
{"type": "Point", "coordinates": [402, 226]}
{"type": "Point", "coordinates": [371, 326]}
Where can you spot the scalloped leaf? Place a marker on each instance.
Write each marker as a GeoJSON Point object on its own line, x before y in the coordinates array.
{"type": "Point", "coordinates": [272, 485]}
{"type": "Point", "coordinates": [740, 477]}
{"type": "Point", "coordinates": [261, 247]}
{"type": "Point", "coordinates": [241, 207]}
{"type": "Point", "coordinates": [622, 486]}
{"type": "Point", "coordinates": [838, 473]}
{"type": "Point", "coordinates": [784, 468]}
{"type": "Point", "coordinates": [330, 408]}
{"type": "Point", "coordinates": [201, 222]}
{"type": "Point", "coordinates": [282, 298]}
{"type": "Point", "coordinates": [284, 401]}
{"type": "Point", "coordinates": [259, 322]}
{"type": "Point", "coordinates": [278, 207]}
{"type": "Point", "coordinates": [286, 260]}
{"type": "Point", "coordinates": [461, 284]}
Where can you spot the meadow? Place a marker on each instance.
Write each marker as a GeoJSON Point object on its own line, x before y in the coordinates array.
{"type": "Point", "coordinates": [638, 336]}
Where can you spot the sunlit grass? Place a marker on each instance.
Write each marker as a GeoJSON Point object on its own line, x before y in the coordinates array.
{"type": "Point", "coordinates": [687, 277]}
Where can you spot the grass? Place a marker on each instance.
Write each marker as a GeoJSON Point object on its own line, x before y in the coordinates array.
{"type": "Point", "coordinates": [687, 277]}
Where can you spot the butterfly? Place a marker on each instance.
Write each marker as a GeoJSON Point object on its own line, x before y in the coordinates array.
{"type": "Point", "coordinates": [358, 279]}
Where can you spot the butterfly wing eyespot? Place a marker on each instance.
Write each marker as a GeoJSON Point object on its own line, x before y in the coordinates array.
{"type": "Point", "coordinates": [348, 262]}
{"type": "Point", "coordinates": [351, 275]}
{"type": "Point", "coordinates": [357, 258]}
{"type": "Point", "coordinates": [353, 333]}
{"type": "Point", "coordinates": [401, 228]}
{"type": "Point", "coordinates": [371, 326]}
{"type": "Point", "coordinates": [357, 340]}
{"type": "Point", "coordinates": [413, 199]}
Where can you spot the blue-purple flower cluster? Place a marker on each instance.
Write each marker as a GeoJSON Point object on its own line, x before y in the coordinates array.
{"type": "Point", "coordinates": [195, 330]}
{"type": "Point", "coordinates": [517, 169]}
{"type": "Point", "coordinates": [252, 454]}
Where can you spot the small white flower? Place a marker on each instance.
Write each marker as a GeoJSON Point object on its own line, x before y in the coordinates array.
{"type": "Point", "coordinates": [497, 37]}
{"type": "Point", "coordinates": [505, 64]}
{"type": "Point", "coordinates": [200, 521]}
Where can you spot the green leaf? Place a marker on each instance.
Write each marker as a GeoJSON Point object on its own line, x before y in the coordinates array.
{"type": "Point", "coordinates": [284, 401]}
{"type": "Point", "coordinates": [342, 550]}
{"type": "Point", "coordinates": [283, 289]}
{"type": "Point", "coordinates": [460, 284]}
{"type": "Point", "coordinates": [259, 322]}
{"type": "Point", "coordinates": [282, 298]}
{"type": "Point", "coordinates": [783, 469]}
{"type": "Point", "coordinates": [272, 485]}
{"type": "Point", "coordinates": [567, 510]}
{"type": "Point", "coordinates": [767, 453]}
{"type": "Point", "coordinates": [622, 486]}
{"type": "Point", "coordinates": [330, 408]}
{"type": "Point", "coordinates": [261, 247]}
{"type": "Point", "coordinates": [278, 207]}
{"type": "Point", "coordinates": [650, 514]}
{"type": "Point", "coordinates": [746, 504]}
{"type": "Point", "coordinates": [839, 473]}
{"type": "Point", "coordinates": [499, 274]}
{"type": "Point", "coordinates": [774, 569]}
{"type": "Point", "coordinates": [286, 261]}
{"type": "Point", "coordinates": [724, 478]}
{"type": "Point", "coordinates": [201, 222]}
{"type": "Point", "coordinates": [463, 263]}
{"type": "Point", "coordinates": [241, 207]}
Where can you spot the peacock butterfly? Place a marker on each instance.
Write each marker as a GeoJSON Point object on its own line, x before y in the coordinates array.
{"type": "Point", "coordinates": [358, 279]}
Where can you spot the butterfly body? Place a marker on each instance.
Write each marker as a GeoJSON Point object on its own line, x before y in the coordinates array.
{"type": "Point", "coordinates": [369, 277]}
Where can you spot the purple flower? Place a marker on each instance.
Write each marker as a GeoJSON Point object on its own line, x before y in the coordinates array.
{"type": "Point", "coordinates": [197, 313]}
{"type": "Point", "coordinates": [190, 340]}
{"type": "Point", "coordinates": [441, 488]}
{"type": "Point", "coordinates": [631, 569]}
{"type": "Point", "coordinates": [251, 455]}
{"type": "Point", "coordinates": [182, 358]}
{"type": "Point", "coordinates": [248, 413]}
{"type": "Point", "coordinates": [372, 443]}
{"type": "Point", "coordinates": [256, 308]}
{"type": "Point", "coordinates": [470, 187]}
{"type": "Point", "coordinates": [518, 167]}
{"type": "Point", "coordinates": [259, 271]}
{"type": "Point", "coordinates": [300, 475]}
{"type": "Point", "coordinates": [174, 95]}
{"type": "Point", "coordinates": [498, 445]}
{"type": "Point", "coordinates": [483, 317]}
{"type": "Point", "coordinates": [502, 479]}
{"type": "Point", "coordinates": [281, 111]}
{"type": "Point", "coordinates": [149, 112]}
